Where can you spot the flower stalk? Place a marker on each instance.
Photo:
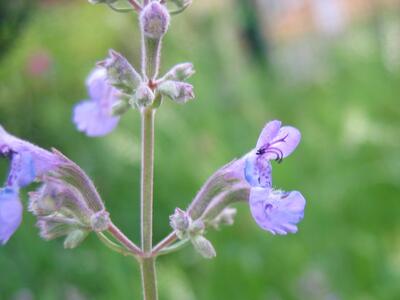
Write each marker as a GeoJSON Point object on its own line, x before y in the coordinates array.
{"type": "Point", "coordinates": [146, 203]}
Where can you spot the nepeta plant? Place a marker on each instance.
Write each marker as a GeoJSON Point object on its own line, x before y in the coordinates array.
{"type": "Point", "coordinates": [67, 203]}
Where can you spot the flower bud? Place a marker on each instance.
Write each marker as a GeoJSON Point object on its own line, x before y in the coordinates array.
{"type": "Point", "coordinates": [226, 217]}
{"type": "Point", "coordinates": [67, 204]}
{"type": "Point", "coordinates": [216, 191]}
{"type": "Point", "coordinates": [186, 229]}
{"type": "Point", "coordinates": [203, 246]}
{"type": "Point", "coordinates": [180, 72]}
{"type": "Point", "coordinates": [154, 20]}
{"type": "Point", "coordinates": [143, 97]}
{"type": "Point", "coordinates": [218, 212]}
{"type": "Point", "coordinates": [120, 73]}
{"type": "Point", "coordinates": [120, 107]}
{"type": "Point", "coordinates": [178, 91]}
{"type": "Point", "coordinates": [41, 204]}
{"type": "Point", "coordinates": [179, 220]}
{"type": "Point", "coordinates": [74, 238]}
{"type": "Point", "coordinates": [197, 227]}
{"type": "Point", "coordinates": [100, 221]}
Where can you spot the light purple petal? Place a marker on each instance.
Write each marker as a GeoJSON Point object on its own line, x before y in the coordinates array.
{"type": "Point", "coordinates": [10, 213]}
{"type": "Point", "coordinates": [25, 156]}
{"type": "Point", "coordinates": [268, 133]}
{"type": "Point", "coordinates": [96, 83]}
{"type": "Point", "coordinates": [22, 171]}
{"type": "Point", "coordinates": [276, 211]}
{"type": "Point", "coordinates": [286, 141]}
{"type": "Point", "coordinates": [258, 170]}
{"type": "Point", "coordinates": [94, 116]}
{"type": "Point", "coordinates": [92, 120]}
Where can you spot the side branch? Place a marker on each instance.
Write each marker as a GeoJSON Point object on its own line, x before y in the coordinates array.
{"type": "Point", "coordinates": [135, 5]}
{"type": "Point", "coordinates": [164, 243]}
{"type": "Point", "coordinates": [124, 240]}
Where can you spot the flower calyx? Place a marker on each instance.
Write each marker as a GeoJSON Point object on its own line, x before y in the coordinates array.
{"type": "Point", "coordinates": [186, 228]}
{"type": "Point", "coordinates": [67, 204]}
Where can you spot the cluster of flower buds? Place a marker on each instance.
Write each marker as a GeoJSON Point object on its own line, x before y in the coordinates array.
{"type": "Point", "coordinates": [67, 203]}
{"type": "Point", "coordinates": [211, 208]}
{"type": "Point", "coordinates": [187, 229]}
{"type": "Point", "coordinates": [173, 85]}
{"type": "Point", "coordinates": [139, 92]}
{"type": "Point", "coordinates": [122, 75]}
{"type": "Point", "coordinates": [114, 85]}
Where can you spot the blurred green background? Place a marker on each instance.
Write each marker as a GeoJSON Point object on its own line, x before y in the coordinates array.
{"type": "Point", "coordinates": [346, 104]}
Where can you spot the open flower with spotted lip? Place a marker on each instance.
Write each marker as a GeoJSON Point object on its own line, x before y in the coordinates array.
{"type": "Point", "coordinates": [276, 211]}
{"type": "Point", "coordinates": [249, 179]}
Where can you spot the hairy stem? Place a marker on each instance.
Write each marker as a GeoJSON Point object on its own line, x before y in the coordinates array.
{"type": "Point", "coordinates": [150, 57]}
{"type": "Point", "coordinates": [147, 267]}
{"type": "Point", "coordinates": [113, 246]}
{"type": "Point", "coordinates": [124, 240]}
{"type": "Point", "coordinates": [147, 178]}
{"type": "Point", "coordinates": [149, 280]}
{"type": "Point", "coordinates": [135, 5]}
{"type": "Point", "coordinates": [173, 248]}
{"type": "Point", "coordinates": [165, 243]}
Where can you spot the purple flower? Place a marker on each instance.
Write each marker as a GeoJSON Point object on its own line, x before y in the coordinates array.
{"type": "Point", "coordinates": [277, 211]}
{"type": "Point", "coordinates": [273, 210]}
{"type": "Point", "coordinates": [10, 213]}
{"type": "Point", "coordinates": [27, 163]}
{"type": "Point", "coordinates": [274, 143]}
{"type": "Point", "coordinates": [27, 160]}
{"type": "Point", "coordinates": [94, 116]}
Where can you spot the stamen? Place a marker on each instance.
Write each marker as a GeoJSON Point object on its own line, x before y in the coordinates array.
{"type": "Point", "coordinates": [277, 152]}
{"type": "Point", "coordinates": [261, 151]}
{"type": "Point", "coordinates": [280, 140]}
{"type": "Point", "coordinates": [285, 195]}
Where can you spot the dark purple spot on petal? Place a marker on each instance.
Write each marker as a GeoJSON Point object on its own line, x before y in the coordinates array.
{"type": "Point", "coordinates": [267, 208]}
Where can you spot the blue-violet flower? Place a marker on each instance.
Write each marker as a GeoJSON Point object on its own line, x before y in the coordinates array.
{"type": "Point", "coordinates": [273, 210]}
{"type": "Point", "coordinates": [28, 162]}
{"type": "Point", "coordinates": [275, 143]}
{"type": "Point", "coordinates": [94, 116]}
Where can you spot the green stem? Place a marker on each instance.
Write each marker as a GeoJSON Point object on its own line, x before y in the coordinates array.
{"type": "Point", "coordinates": [147, 178]}
{"type": "Point", "coordinates": [151, 50]}
{"type": "Point", "coordinates": [149, 280]}
{"type": "Point", "coordinates": [173, 248]}
{"type": "Point", "coordinates": [113, 246]}
{"type": "Point", "coordinates": [147, 267]}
